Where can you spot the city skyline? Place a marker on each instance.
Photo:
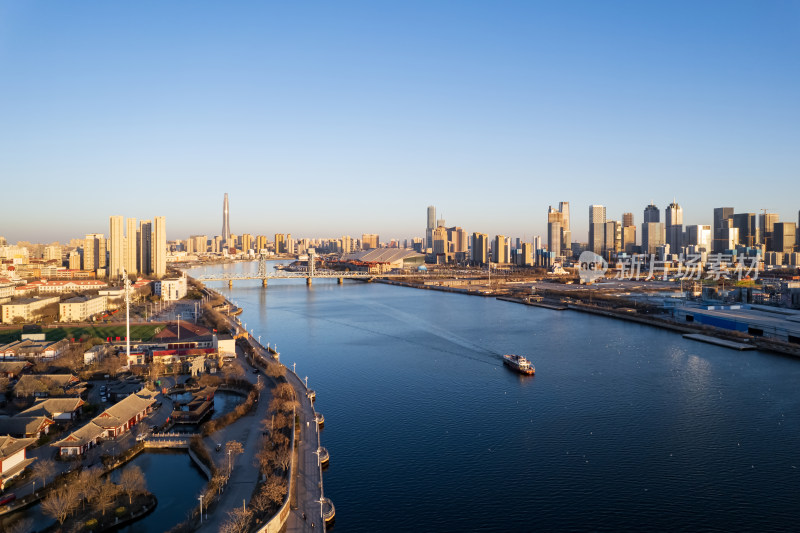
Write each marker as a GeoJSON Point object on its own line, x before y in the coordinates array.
{"type": "Point", "coordinates": [493, 114]}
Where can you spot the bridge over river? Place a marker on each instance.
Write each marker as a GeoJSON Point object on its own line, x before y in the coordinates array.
{"type": "Point", "coordinates": [264, 274]}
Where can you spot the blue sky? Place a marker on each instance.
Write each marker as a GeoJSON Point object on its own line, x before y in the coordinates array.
{"type": "Point", "coordinates": [332, 118]}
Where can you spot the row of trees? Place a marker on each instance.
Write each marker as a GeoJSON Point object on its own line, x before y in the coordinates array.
{"type": "Point", "coordinates": [90, 487]}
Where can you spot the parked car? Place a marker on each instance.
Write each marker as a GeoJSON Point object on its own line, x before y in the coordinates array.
{"type": "Point", "coordinates": [219, 447]}
{"type": "Point", "coordinates": [8, 498]}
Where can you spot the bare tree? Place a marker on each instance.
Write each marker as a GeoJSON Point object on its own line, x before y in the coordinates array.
{"type": "Point", "coordinates": [284, 456]}
{"type": "Point", "coordinates": [132, 482]}
{"type": "Point", "coordinates": [266, 459]}
{"type": "Point", "coordinates": [42, 470]}
{"type": "Point", "coordinates": [88, 482]}
{"type": "Point", "coordinates": [61, 502]}
{"type": "Point", "coordinates": [270, 493]}
{"type": "Point", "coordinates": [233, 448]}
{"type": "Point", "coordinates": [105, 495]}
{"type": "Point", "coordinates": [238, 521]}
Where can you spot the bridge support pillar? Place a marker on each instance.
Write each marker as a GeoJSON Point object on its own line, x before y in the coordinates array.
{"type": "Point", "coordinates": [308, 280]}
{"type": "Point", "coordinates": [264, 283]}
{"type": "Point", "coordinates": [340, 280]}
{"type": "Point", "coordinates": [230, 283]}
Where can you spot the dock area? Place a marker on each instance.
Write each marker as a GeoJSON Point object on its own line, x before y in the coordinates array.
{"type": "Point", "coordinates": [719, 342]}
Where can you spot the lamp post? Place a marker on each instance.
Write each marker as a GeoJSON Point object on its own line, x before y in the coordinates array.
{"type": "Point", "coordinates": [201, 508]}
{"type": "Point", "coordinates": [229, 463]}
{"type": "Point", "coordinates": [179, 326]}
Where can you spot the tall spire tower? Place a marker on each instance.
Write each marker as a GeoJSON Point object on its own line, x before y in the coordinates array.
{"type": "Point", "coordinates": [226, 227]}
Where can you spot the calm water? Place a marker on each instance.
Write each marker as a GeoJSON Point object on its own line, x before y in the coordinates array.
{"type": "Point", "coordinates": [174, 479]}
{"type": "Point", "coordinates": [624, 427]}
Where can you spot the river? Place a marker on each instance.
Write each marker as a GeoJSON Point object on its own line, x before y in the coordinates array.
{"type": "Point", "coordinates": [624, 427]}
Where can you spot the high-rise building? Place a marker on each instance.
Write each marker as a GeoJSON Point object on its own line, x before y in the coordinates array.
{"type": "Point", "coordinates": [261, 243]}
{"type": "Point", "coordinates": [651, 214]}
{"type": "Point", "coordinates": [555, 230]}
{"type": "Point", "coordinates": [440, 244]}
{"type": "Point", "coordinates": [597, 221]}
{"type": "Point", "coordinates": [247, 242]}
{"type": "Point", "coordinates": [612, 236]}
{"type": "Point", "coordinates": [627, 219]}
{"type": "Point", "coordinates": [131, 251]}
{"type": "Point", "coordinates": [158, 254]}
{"type": "Point", "coordinates": [371, 240]}
{"type": "Point", "coordinates": [784, 237]}
{"type": "Point", "coordinates": [280, 243]}
{"type": "Point", "coordinates": [144, 241]}
{"type": "Point", "coordinates": [94, 251]}
{"type": "Point", "coordinates": [629, 239]}
{"type": "Point", "coordinates": [653, 236]}
{"type": "Point", "coordinates": [766, 221]}
{"type": "Point", "coordinates": [74, 260]}
{"type": "Point", "coordinates": [699, 236]}
{"type": "Point", "coordinates": [673, 215]}
{"type": "Point", "coordinates": [226, 226]}
{"type": "Point", "coordinates": [116, 247]}
{"type": "Point", "coordinates": [430, 226]}
{"type": "Point", "coordinates": [746, 224]}
{"type": "Point", "coordinates": [723, 219]}
{"type": "Point", "coordinates": [480, 248]}
{"type": "Point", "coordinates": [566, 231]}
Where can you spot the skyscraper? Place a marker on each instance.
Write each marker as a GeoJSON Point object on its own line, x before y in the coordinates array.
{"type": "Point", "coordinates": [674, 231]}
{"type": "Point", "coordinates": [766, 221]}
{"type": "Point", "coordinates": [480, 248]}
{"type": "Point", "coordinates": [597, 221]}
{"type": "Point", "coordinates": [555, 230]}
{"type": "Point", "coordinates": [627, 219]}
{"type": "Point", "coordinates": [159, 249]}
{"type": "Point", "coordinates": [116, 247]}
{"type": "Point", "coordinates": [566, 231]}
{"type": "Point", "coordinates": [144, 241]}
{"type": "Point", "coordinates": [94, 251]}
{"type": "Point", "coordinates": [651, 214]}
{"type": "Point", "coordinates": [131, 252]}
{"type": "Point", "coordinates": [226, 227]}
{"type": "Point", "coordinates": [723, 218]}
{"type": "Point", "coordinates": [746, 224]}
{"type": "Point", "coordinates": [653, 236]}
{"type": "Point", "coordinates": [430, 226]}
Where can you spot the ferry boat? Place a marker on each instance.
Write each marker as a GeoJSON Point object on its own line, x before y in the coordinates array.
{"type": "Point", "coordinates": [520, 364]}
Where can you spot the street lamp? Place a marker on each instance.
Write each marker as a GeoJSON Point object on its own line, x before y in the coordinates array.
{"type": "Point", "coordinates": [229, 462]}
{"type": "Point", "coordinates": [201, 508]}
{"type": "Point", "coordinates": [179, 326]}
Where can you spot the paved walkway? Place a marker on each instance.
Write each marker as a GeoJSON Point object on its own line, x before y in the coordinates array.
{"type": "Point", "coordinates": [308, 476]}
{"type": "Point", "coordinates": [245, 474]}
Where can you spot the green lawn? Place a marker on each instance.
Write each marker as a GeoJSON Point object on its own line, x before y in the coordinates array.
{"type": "Point", "coordinates": [138, 331]}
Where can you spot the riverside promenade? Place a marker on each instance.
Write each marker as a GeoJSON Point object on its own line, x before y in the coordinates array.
{"type": "Point", "coordinates": [306, 472]}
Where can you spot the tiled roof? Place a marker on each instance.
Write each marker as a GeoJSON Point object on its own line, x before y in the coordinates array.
{"type": "Point", "coordinates": [53, 406]}
{"type": "Point", "coordinates": [9, 445]}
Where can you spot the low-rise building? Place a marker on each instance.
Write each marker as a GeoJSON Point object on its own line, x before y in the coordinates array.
{"type": "Point", "coordinates": [43, 385]}
{"type": "Point", "coordinates": [80, 308]}
{"type": "Point", "coordinates": [23, 427]}
{"type": "Point", "coordinates": [13, 458]}
{"type": "Point", "coordinates": [57, 409]}
{"type": "Point", "coordinates": [26, 309]}
{"type": "Point", "coordinates": [171, 289]}
{"type": "Point", "coordinates": [110, 424]}
{"type": "Point", "coordinates": [61, 286]}
{"type": "Point", "coordinates": [13, 369]}
{"type": "Point", "coordinates": [33, 349]}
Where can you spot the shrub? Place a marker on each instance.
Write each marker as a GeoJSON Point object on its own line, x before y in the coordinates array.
{"type": "Point", "coordinates": [91, 523]}
{"type": "Point", "coordinates": [119, 511]}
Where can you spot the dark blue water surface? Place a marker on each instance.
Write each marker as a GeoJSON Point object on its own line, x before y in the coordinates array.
{"type": "Point", "coordinates": [624, 427]}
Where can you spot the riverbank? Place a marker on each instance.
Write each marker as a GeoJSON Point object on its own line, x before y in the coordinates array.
{"type": "Point", "coordinates": [628, 314]}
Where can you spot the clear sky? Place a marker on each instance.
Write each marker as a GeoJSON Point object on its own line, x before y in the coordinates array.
{"type": "Point", "coordinates": [349, 117]}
